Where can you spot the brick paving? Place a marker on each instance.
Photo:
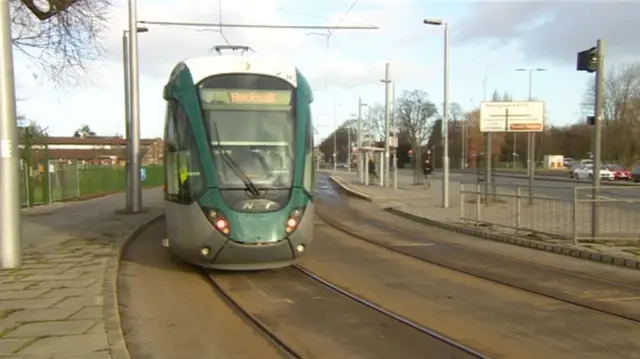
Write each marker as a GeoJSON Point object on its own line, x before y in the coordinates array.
{"type": "Point", "coordinates": [59, 304]}
{"type": "Point", "coordinates": [550, 216]}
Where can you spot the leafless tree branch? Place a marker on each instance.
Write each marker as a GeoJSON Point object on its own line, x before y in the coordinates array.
{"type": "Point", "coordinates": [62, 39]}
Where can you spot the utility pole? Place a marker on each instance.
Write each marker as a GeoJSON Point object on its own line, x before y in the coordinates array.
{"type": "Point", "coordinates": [134, 142]}
{"type": "Point", "coordinates": [387, 83]}
{"type": "Point", "coordinates": [129, 174]}
{"type": "Point", "coordinates": [395, 136]}
{"type": "Point", "coordinates": [359, 138]}
{"type": "Point", "coordinates": [597, 138]}
{"type": "Point", "coordinates": [10, 215]}
{"type": "Point", "coordinates": [445, 155]}
{"type": "Point", "coordinates": [349, 148]}
{"type": "Point", "coordinates": [445, 119]}
{"type": "Point", "coordinates": [335, 142]}
{"type": "Point", "coordinates": [531, 139]}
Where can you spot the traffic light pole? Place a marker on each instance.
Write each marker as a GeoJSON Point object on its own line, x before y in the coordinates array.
{"type": "Point", "coordinates": [597, 138]}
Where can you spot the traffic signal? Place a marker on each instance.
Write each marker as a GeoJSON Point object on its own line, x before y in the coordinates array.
{"type": "Point", "coordinates": [591, 120]}
{"type": "Point", "coordinates": [410, 153]}
{"type": "Point", "coordinates": [588, 60]}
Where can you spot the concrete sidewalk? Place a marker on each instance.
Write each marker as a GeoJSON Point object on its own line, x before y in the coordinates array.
{"type": "Point", "coordinates": [425, 204]}
{"type": "Point", "coordinates": [62, 303]}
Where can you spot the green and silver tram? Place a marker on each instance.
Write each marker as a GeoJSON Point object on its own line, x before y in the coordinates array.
{"type": "Point", "coordinates": [239, 169]}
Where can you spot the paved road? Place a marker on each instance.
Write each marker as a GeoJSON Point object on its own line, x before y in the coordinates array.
{"type": "Point", "coordinates": [624, 197]}
{"type": "Point", "coordinates": [499, 321]}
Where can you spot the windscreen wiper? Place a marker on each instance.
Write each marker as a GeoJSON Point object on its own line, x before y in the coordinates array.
{"type": "Point", "coordinates": [249, 185]}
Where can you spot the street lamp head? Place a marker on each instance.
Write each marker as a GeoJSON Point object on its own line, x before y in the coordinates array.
{"type": "Point", "coordinates": [142, 29]}
{"type": "Point", "coordinates": [436, 22]}
{"type": "Point", "coordinates": [521, 69]}
{"type": "Point", "coordinates": [541, 69]}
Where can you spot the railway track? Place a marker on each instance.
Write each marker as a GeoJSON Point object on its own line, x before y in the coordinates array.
{"type": "Point", "coordinates": [455, 350]}
{"type": "Point", "coordinates": [610, 308]}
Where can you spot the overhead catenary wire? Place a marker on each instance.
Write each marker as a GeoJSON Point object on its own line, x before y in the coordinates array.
{"type": "Point", "coordinates": [258, 26]}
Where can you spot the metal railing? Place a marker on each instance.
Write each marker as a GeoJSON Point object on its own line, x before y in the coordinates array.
{"type": "Point", "coordinates": [53, 181]}
{"type": "Point", "coordinates": [559, 212]}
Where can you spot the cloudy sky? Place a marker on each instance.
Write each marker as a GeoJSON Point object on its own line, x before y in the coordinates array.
{"type": "Point", "coordinates": [490, 39]}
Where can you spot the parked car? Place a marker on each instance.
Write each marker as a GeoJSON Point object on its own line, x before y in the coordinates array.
{"type": "Point", "coordinates": [586, 172]}
{"type": "Point", "coordinates": [635, 173]}
{"type": "Point", "coordinates": [619, 172]}
{"type": "Point", "coordinates": [573, 168]}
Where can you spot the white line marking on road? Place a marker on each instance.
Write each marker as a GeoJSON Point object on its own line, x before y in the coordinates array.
{"type": "Point", "coordinates": [412, 244]}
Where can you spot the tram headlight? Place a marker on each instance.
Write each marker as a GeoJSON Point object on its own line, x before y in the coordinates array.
{"type": "Point", "coordinates": [218, 220]}
{"type": "Point", "coordinates": [293, 221]}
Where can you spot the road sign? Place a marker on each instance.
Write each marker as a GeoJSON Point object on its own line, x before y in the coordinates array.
{"type": "Point", "coordinates": [515, 116]}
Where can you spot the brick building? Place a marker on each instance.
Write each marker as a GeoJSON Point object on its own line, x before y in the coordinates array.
{"type": "Point", "coordinates": [97, 150]}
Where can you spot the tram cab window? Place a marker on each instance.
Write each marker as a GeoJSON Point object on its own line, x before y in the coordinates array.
{"type": "Point", "coordinates": [183, 175]}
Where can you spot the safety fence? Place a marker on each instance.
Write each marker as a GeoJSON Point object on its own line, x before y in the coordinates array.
{"type": "Point", "coordinates": [560, 212]}
{"type": "Point", "coordinates": [54, 181]}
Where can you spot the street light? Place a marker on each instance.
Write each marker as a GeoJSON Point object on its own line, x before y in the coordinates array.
{"type": "Point", "coordinates": [134, 105]}
{"type": "Point", "coordinates": [445, 120]}
{"type": "Point", "coordinates": [531, 137]}
{"type": "Point", "coordinates": [127, 116]}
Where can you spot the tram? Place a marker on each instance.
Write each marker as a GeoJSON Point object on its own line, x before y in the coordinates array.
{"type": "Point", "coordinates": [239, 164]}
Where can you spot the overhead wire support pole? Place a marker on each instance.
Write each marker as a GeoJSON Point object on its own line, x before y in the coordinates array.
{"type": "Point", "coordinates": [136, 188]}
{"type": "Point", "coordinates": [387, 94]}
{"type": "Point", "coordinates": [258, 26]}
{"type": "Point", "coordinates": [10, 213]}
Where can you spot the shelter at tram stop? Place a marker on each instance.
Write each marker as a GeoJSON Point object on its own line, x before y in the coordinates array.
{"type": "Point", "coordinates": [366, 154]}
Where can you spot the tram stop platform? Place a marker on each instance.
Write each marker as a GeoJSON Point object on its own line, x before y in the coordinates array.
{"type": "Point", "coordinates": [62, 302]}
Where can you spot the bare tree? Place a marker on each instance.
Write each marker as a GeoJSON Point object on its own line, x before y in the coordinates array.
{"type": "Point", "coordinates": [61, 38]}
{"type": "Point", "coordinates": [374, 126]}
{"type": "Point", "coordinates": [415, 115]}
{"type": "Point", "coordinates": [621, 113]}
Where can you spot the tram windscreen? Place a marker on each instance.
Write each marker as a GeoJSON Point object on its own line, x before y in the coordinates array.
{"type": "Point", "coordinates": [251, 118]}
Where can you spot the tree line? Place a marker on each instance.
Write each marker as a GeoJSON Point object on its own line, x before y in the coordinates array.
{"type": "Point", "coordinates": [419, 127]}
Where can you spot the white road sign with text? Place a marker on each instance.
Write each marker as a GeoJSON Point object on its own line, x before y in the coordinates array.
{"type": "Point", "coordinates": [515, 116]}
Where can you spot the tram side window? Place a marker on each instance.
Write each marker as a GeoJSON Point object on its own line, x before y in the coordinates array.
{"type": "Point", "coordinates": [183, 161]}
{"type": "Point", "coordinates": [171, 147]}
{"type": "Point", "coordinates": [309, 162]}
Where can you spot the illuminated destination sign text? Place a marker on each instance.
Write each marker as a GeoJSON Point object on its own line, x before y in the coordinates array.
{"type": "Point", "coordinates": [245, 97]}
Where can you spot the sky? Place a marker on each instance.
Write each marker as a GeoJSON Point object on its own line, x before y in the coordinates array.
{"type": "Point", "coordinates": [489, 40]}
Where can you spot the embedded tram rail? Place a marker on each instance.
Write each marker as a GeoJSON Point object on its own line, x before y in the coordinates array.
{"type": "Point", "coordinates": [187, 311]}
{"type": "Point", "coordinates": [365, 321]}
{"type": "Point", "coordinates": [363, 227]}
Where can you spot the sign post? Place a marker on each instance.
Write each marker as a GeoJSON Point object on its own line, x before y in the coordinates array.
{"type": "Point", "coordinates": [512, 117]}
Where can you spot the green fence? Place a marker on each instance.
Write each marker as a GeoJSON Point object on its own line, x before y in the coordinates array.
{"type": "Point", "coordinates": [72, 180]}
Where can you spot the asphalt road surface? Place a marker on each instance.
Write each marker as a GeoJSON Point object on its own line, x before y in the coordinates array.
{"type": "Point", "coordinates": [622, 197]}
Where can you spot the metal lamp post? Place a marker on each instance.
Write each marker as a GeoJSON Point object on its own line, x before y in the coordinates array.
{"type": "Point", "coordinates": [134, 107]}
{"type": "Point", "coordinates": [445, 120]}
{"type": "Point", "coordinates": [127, 116]}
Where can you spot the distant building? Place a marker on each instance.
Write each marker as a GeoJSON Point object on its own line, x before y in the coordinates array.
{"type": "Point", "coordinates": [97, 150]}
